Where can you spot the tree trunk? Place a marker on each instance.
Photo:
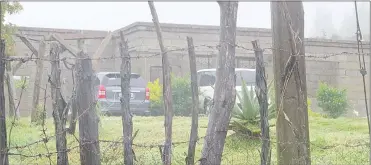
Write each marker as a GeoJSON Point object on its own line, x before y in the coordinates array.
{"type": "Point", "coordinates": [59, 105]}
{"type": "Point", "coordinates": [86, 106]}
{"type": "Point", "coordinates": [225, 94]}
{"type": "Point", "coordinates": [127, 122]}
{"type": "Point", "coordinates": [3, 137]}
{"type": "Point", "coordinates": [290, 81]}
{"type": "Point", "coordinates": [194, 87]}
{"type": "Point", "coordinates": [168, 99]}
{"type": "Point", "coordinates": [261, 93]}
{"type": "Point", "coordinates": [38, 80]}
{"type": "Point", "coordinates": [11, 90]}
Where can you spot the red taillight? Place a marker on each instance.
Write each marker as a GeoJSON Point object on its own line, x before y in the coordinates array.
{"type": "Point", "coordinates": [147, 93]}
{"type": "Point", "coordinates": [102, 92]}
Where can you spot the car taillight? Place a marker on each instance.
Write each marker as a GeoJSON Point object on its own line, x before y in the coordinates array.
{"type": "Point", "coordinates": [102, 92]}
{"type": "Point", "coordinates": [147, 93]}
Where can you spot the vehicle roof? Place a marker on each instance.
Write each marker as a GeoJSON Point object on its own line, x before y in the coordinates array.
{"type": "Point", "coordinates": [104, 73]}
{"type": "Point", "coordinates": [236, 69]}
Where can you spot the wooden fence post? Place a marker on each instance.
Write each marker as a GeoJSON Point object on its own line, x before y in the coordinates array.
{"type": "Point", "coordinates": [167, 92]}
{"type": "Point", "coordinates": [86, 106]}
{"type": "Point", "coordinates": [292, 126]}
{"type": "Point", "coordinates": [38, 80]}
{"type": "Point", "coordinates": [225, 94]}
{"type": "Point", "coordinates": [3, 136]}
{"type": "Point", "coordinates": [11, 90]}
{"type": "Point", "coordinates": [194, 128]}
{"type": "Point", "coordinates": [59, 105]}
{"type": "Point", "coordinates": [261, 90]}
{"type": "Point", "coordinates": [127, 123]}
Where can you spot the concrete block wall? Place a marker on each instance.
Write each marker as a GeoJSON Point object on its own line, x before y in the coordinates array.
{"type": "Point", "coordinates": [340, 70]}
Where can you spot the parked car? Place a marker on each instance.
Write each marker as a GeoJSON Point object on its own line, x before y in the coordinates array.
{"type": "Point", "coordinates": [108, 86]}
{"type": "Point", "coordinates": [206, 83]}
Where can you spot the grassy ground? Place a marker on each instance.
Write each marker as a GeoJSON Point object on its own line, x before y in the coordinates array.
{"type": "Point", "coordinates": [333, 141]}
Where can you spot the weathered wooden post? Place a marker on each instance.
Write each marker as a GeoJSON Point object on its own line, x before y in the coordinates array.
{"type": "Point", "coordinates": [261, 91]}
{"type": "Point", "coordinates": [59, 105]}
{"type": "Point", "coordinates": [3, 137]}
{"type": "Point", "coordinates": [168, 99]}
{"type": "Point", "coordinates": [38, 80]}
{"type": "Point", "coordinates": [127, 123]}
{"type": "Point", "coordinates": [86, 105]}
{"type": "Point", "coordinates": [224, 93]}
{"type": "Point", "coordinates": [194, 128]}
{"type": "Point", "coordinates": [290, 82]}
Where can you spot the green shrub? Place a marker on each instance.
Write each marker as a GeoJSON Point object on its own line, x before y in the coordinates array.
{"type": "Point", "coordinates": [155, 98]}
{"type": "Point", "coordinates": [182, 95]}
{"type": "Point", "coordinates": [181, 92]}
{"type": "Point", "coordinates": [333, 101]}
{"type": "Point", "coordinates": [40, 114]}
{"type": "Point", "coordinates": [22, 83]}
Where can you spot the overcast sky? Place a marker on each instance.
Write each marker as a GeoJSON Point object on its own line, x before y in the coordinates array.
{"type": "Point", "coordinates": [114, 15]}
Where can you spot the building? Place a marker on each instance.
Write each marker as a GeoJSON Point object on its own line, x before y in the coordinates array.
{"type": "Point", "coordinates": [334, 62]}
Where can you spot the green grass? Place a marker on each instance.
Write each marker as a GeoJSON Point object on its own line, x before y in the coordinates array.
{"type": "Point", "coordinates": [333, 141]}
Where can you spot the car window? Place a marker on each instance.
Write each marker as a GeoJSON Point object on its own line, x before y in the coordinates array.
{"type": "Point", "coordinates": [209, 78]}
{"type": "Point", "coordinates": [245, 75]}
{"type": "Point", "coordinates": [115, 80]}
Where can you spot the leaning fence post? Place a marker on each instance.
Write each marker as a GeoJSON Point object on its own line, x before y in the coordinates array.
{"type": "Point", "coordinates": [3, 136]}
{"type": "Point", "coordinates": [168, 99]}
{"type": "Point", "coordinates": [194, 87]}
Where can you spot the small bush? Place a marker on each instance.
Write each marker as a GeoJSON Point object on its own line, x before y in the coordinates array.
{"type": "Point", "coordinates": [23, 83]}
{"type": "Point", "coordinates": [181, 92]}
{"type": "Point", "coordinates": [40, 114]}
{"type": "Point", "coordinates": [333, 101]}
{"type": "Point", "coordinates": [182, 95]}
{"type": "Point", "coordinates": [155, 98]}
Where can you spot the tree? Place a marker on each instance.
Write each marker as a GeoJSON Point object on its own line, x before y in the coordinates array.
{"type": "Point", "coordinates": [225, 94]}
{"type": "Point", "coordinates": [291, 97]}
{"type": "Point", "coordinates": [7, 31]}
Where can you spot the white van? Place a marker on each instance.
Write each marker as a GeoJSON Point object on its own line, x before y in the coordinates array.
{"type": "Point", "coordinates": [206, 83]}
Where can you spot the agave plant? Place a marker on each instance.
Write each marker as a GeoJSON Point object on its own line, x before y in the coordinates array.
{"type": "Point", "coordinates": [246, 114]}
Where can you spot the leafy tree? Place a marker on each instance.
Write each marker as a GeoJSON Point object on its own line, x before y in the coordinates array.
{"type": "Point", "coordinates": [7, 29]}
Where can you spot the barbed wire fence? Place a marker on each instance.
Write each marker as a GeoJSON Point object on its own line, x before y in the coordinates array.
{"type": "Point", "coordinates": [40, 147]}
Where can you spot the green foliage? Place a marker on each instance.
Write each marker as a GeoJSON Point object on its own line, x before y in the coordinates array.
{"type": "Point", "coordinates": [181, 92]}
{"type": "Point", "coordinates": [246, 116]}
{"type": "Point", "coordinates": [40, 114]}
{"type": "Point", "coordinates": [7, 29]}
{"type": "Point", "coordinates": [155, 89]}
{"type": "Point", "coordinates": [182, 95]}
{"type": "Point", "coordinates": [333, 101]}
{"type": "Point", "coordinates": [22, 83]}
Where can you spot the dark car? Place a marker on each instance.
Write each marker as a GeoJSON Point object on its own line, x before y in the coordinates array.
{"type": "Point", "coordinates": [108, 86]}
